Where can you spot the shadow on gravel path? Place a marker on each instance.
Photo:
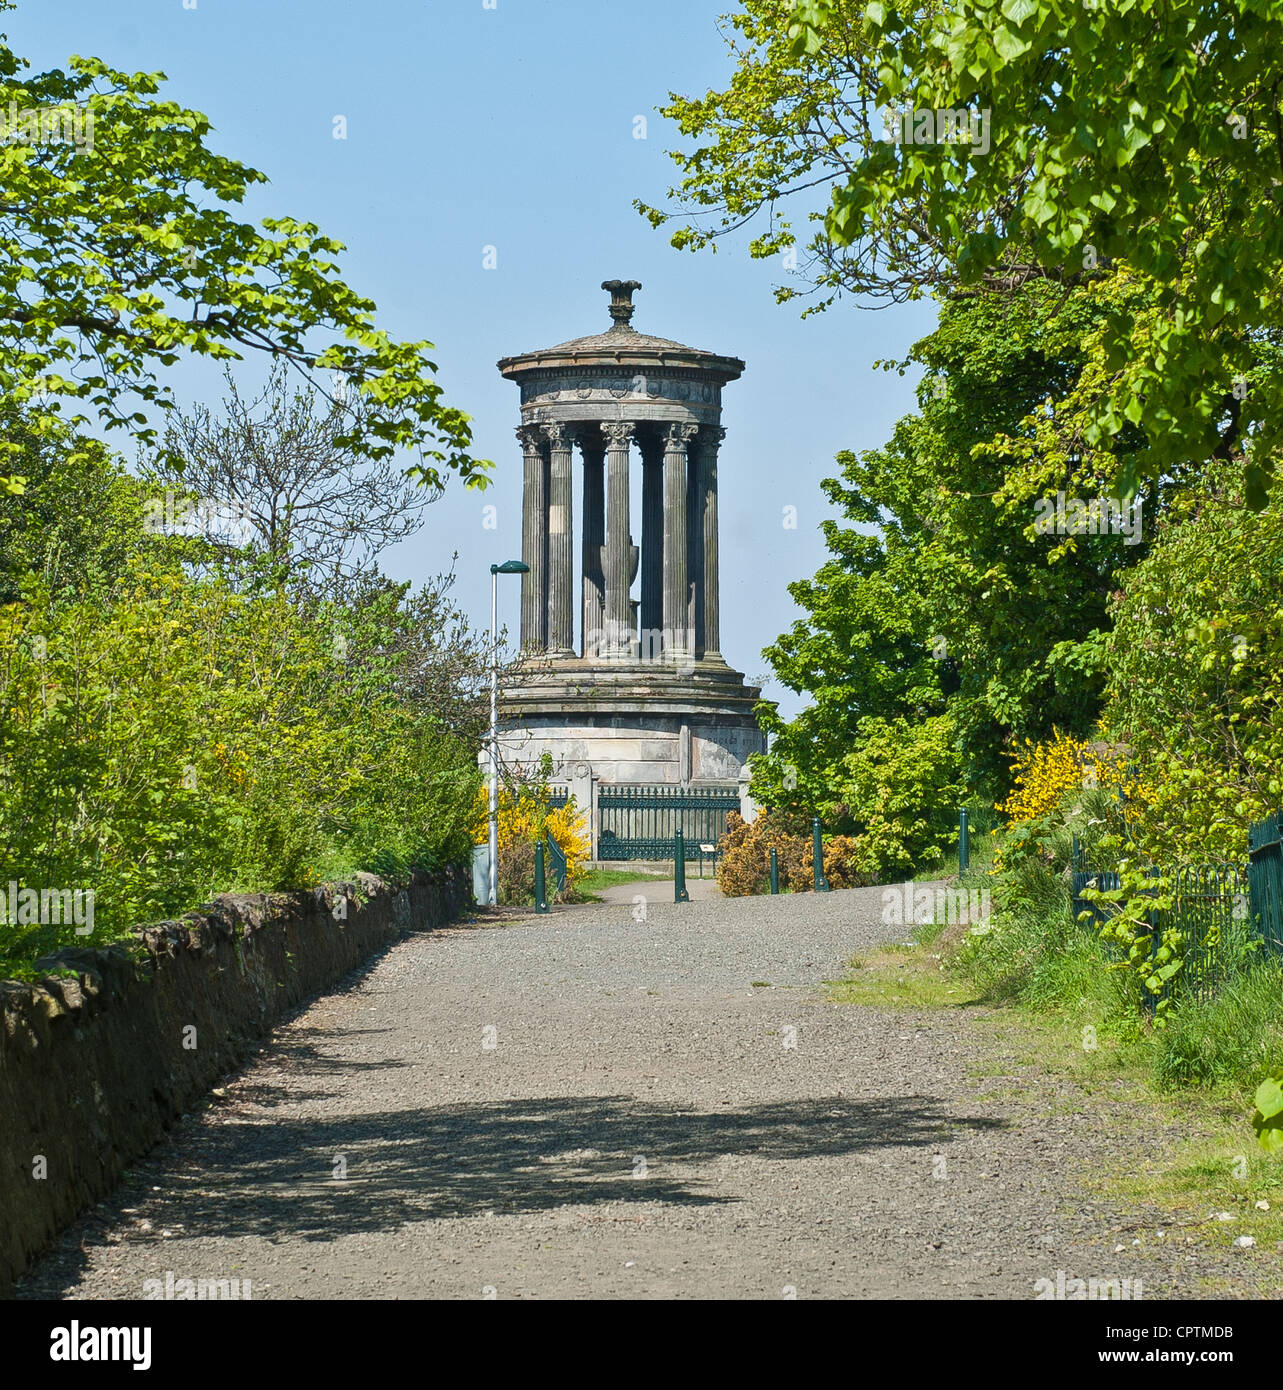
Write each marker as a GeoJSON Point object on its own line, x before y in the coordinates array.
{"type": "Point", "coordinates": [273, 1178]}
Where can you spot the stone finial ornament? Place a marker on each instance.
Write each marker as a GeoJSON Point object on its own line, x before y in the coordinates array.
{"type": "Point", "coordinates": [621, 300]}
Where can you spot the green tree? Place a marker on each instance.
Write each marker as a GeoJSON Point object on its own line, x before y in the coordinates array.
{"type": "Point", "coordinates": [170, 729]}
{"type": "Point", "coordinates": [1124, 138]}
{"type": "Point", "coordinates": [954, 603]}
{"type": "Point", "coordinates": [118, 255]}
{"type": "Point", "coordinates": [78, 518]}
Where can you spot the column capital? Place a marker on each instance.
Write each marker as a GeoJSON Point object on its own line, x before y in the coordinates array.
{"type": "Point", "coordinates": [557, 434]}
{"type": "Point", "coordinates": [617, 432]}
{"type": "Point", "coordinates": [679, 434]}
{"type": "Point", "coordinates": [529, 436]}
{"type": "Point", "coordinates": [711, 436]}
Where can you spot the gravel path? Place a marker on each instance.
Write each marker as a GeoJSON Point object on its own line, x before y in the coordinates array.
{"type": "Point", "coordinates": [588, 1105]}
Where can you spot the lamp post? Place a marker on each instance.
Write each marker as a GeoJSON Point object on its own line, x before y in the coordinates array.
{"type": "Point", "coordinates": [508, 567]}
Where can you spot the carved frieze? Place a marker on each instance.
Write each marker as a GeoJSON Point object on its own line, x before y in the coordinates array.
{"type": "Point", "coordinates": [620, 385]}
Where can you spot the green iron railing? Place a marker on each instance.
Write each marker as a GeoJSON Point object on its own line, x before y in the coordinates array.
{"type": "Point", "coordinates": [1265, 880]}
{"type": "Point", "coordinates": [641, 822]}
{"type": "Point", "coordinates": [1220, 909]}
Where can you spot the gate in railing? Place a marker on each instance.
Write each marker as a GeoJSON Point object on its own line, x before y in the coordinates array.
{"type": "Point", "coordinates": [642, 822]}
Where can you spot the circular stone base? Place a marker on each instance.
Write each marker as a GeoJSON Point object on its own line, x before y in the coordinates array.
{"type": "Point", "coordinates": [631, 721]}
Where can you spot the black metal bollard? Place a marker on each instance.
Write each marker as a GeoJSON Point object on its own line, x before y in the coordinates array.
{"type": "Point", "coordinates": [964, 849]}
{"type": "Point", "coordinates": [817, 852]}
{"type": "Point", "coordinates": [680, 895]}
{"type": "Point", "coordinates": [541, 888]}
{"type": "Point", "coordinates": [775, 870]}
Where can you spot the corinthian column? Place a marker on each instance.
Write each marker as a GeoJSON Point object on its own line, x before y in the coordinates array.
{"type": "Point", "coordinates": [677, 634]}
{"type": "Point", "coordinates": [708, 642]}
{"type": "Point", "coordinates": [534, 544]}
{"type": "Point", "coordinates": [619, 545]}
{"type": "Point", "coordinates": [561, 540]}
{"type": "Point", "coordinates": [652, 565]}
{"type": "Point", "coordinates": [594, 540]}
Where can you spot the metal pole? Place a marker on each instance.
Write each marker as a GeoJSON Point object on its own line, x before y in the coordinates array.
{"type": "Point", "coordinates": [494, 737]}
{"type": "Point", "coordinates": [680, 895]}
{"type": "Point", "coordinates": [775, 870]}
{"type": "Point", "coordinates": [817, 854]}
{"type": "Point", "coordinates": [541, 889]}
{"type": "Point", "coordinates": [964, 849]}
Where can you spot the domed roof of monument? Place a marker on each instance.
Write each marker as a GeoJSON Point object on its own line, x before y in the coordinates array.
{"type": "Point", "coordinates": [621, 342]}
{"type": "Point", "coordinates": [622, 336]}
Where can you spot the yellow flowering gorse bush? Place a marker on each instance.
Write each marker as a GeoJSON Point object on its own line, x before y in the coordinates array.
{"type": "Point", "coordinates": [1045, 775]}
{"type": "Point", "coordinates": [525, 817]}
{"type": "Point", "coordinates": [1044, 772]}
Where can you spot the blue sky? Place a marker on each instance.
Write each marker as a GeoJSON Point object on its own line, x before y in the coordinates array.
{"type": "Point", "coordinates": [513, 127]}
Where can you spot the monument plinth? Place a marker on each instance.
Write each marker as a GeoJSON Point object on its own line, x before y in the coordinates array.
{"type": "Point", "coordinates": [644, 695]}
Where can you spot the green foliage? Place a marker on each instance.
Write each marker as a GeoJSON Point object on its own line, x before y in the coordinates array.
{"type": "Point", "coordinates": [1107, 271]}
{"type": "Point", "coordinates": [1169, 193]}
{"type": "Point", "coordinates": [1196, 673]}
{"type": "Point", "coordinates": [78, 518]}
{"type": "Point", "coordinates": [895, 791]}
{"type": "Point", "coordinates": [1138, 921]}
{"type": "Point", "coordinates": [954, 604]}
{"type": "Point", "coordinates": [1031, 952]}
{"type": "Point", "coordinates": [1226, 1039]}
{"type": "Point", "coordinates": [170, 731]}
{"type": "Point", "coordinates": [901, 786]}
{"type": "Point", "coordinates": [1034, 954]}
{"type": "Point", "coordinates": [1267, 1118]}
{"type": "Point", "coordinates": [191, 739]}
{"type": "Point", "coordinates": [118, 255]}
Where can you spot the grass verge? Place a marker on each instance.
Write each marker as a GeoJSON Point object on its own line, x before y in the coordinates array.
{"type": "Point", "coordinates": [591, 885]}
{"type": "Point", "coordinates": [1038, 991]}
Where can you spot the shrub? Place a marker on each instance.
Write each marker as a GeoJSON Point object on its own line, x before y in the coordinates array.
{"type": "Point", "coordinates": [183, 738]}
{"type": "Point", "coordinates": [1052, 777]}
{"type": "Point", "coordinates": [1041, 774]}
{"type": "Point", "coordinates": [848, 862]}
{"type": "Point", "coordinates": [744, 866]}
{"type": "Point", "coordinates": [525, 817]}
{"type": "Point", "coordinates": [180, 718]}
{"type": "Point", "coordinates": [901, 786]}
{"type": "Point", "coordinates": [744, 863]}
{"type": "Point", "coordinates": [1196, 670]}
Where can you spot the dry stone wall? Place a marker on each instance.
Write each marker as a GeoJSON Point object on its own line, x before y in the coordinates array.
{"type": "Point", "coordinates": [95, 1064]}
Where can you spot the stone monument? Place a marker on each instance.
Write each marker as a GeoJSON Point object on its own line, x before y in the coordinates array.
{"type": "Point", "coordinates": [644, 695]}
